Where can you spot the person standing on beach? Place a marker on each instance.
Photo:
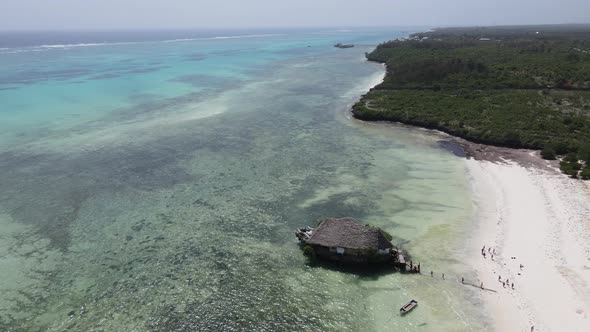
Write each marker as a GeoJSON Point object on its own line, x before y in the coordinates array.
{"type": "Point", "coordinates": [462, 280]}
{"type": "Point", "coordinates": [443, 275]}
{"type": "Point", "coordinates": [431, 273]}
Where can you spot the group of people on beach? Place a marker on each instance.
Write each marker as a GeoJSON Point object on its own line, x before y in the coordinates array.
{"type": "Point", "coordinates": [484, 253]}
{"type": "Point", "coordinates": [505, 282]}
{"type": "Point", "coordinates": [490, 252]}
{"type": "Point", "coordinates": [462, 279]}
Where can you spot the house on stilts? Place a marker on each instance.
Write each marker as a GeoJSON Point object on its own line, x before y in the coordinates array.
{"type": "Point", "coordinates": [347, 240]}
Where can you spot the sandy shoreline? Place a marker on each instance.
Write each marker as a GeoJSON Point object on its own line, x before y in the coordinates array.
{"type": "Point", "coordinates": [528, 213]}
{"type": "Point", "coordinates": [537, 218]}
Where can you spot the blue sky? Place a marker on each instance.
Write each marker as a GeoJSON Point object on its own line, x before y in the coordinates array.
{"type": "Point", "coordinates": [138, 14]}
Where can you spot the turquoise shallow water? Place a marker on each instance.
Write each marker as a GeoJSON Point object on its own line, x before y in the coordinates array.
{"type": "Point", "coordinates": [155, 186]}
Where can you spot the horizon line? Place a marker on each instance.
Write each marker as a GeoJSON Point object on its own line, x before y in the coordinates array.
{"type": "Point", "coordinates": [217, 28]}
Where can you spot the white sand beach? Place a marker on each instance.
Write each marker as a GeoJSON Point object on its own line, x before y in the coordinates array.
{"type": "Point", "coordinates": [540, 219]}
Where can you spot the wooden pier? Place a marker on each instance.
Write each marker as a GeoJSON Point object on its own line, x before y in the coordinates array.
{"type": "Point", "coordinates": [403, 265]}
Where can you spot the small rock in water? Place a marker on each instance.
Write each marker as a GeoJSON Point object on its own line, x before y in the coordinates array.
{"type": "Point", "coordinates": [71, 313]}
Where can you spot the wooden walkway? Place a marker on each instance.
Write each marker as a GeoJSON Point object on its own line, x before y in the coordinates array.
{"type": "Point", "coordinates": [405, 266]}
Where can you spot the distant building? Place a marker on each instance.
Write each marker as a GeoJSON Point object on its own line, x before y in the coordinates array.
{"type": "Point", "coordinates": [484, 39]}
{"type": "Point", "coordinates": [347, 240]}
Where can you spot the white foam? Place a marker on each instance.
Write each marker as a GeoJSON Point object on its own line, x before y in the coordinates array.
{"type": "Point", "coordinates": [78, 45]}
{"type": "Point", "coordinates": [249, 36]}
{"type": "Point", "coordinates": [179, 40]}
{"type": "Point", "coordinates": [68, 46]}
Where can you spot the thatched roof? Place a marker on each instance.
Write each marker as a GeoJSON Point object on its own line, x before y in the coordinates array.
{"type": "Point", "coordinates": [348, 233]}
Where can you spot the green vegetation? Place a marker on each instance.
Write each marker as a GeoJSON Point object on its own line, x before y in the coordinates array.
{"type": "Point", "coordinates": [548, 153]}
{"type": "Point", "coordinates": [504, 86]}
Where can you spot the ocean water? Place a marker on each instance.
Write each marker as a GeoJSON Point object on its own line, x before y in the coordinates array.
{"type": "Point", "coordinates": [152, 181]}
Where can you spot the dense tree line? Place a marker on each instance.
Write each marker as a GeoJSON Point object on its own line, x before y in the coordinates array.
{"type": "Point", "coordinates": [525, 87]}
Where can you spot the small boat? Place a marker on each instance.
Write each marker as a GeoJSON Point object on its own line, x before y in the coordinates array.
{"type": "Point", "coordinates": [408, 307]}
{"type": "Point", "coordinates": [340, 45]}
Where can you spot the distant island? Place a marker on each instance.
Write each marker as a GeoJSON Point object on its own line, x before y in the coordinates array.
{"type": "Point", "coordinates": [512, 86]}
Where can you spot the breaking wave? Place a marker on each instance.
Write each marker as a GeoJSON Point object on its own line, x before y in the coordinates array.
{"type": "Point", "coordinates": [41, 48]}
